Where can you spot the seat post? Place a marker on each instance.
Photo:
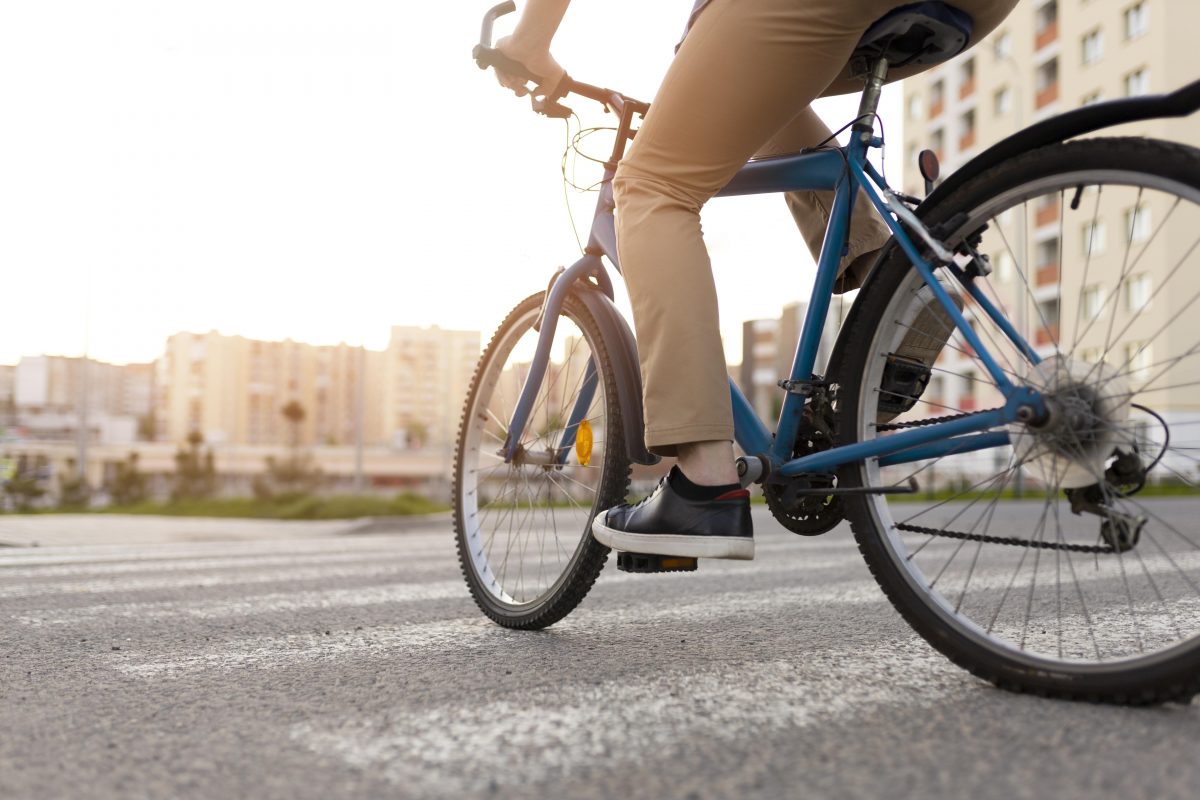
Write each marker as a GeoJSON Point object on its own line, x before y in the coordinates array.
{"type": "Point", "coordinates": [865, 125]}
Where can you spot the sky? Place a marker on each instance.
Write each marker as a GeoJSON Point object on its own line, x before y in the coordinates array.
{"type": "Point", "coordinates": [318, 171]}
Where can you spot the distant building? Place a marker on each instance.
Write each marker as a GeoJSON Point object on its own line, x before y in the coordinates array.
{"type": "Point", "coordinates": [50, 395]}
{"type": "Point", "coordinates": [426, 372]}
{"type": "Point", "coordinates": [1049, 57]}
{"type": "Point", "coordinates": [232, 390]}
{"type": "Point", "coordinates": [769, 349]}
{"type": "Point", "coordinates": [8, 377]}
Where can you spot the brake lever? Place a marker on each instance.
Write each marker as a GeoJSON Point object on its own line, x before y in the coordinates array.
{"type": "Point", "coordinates": [550, 108]}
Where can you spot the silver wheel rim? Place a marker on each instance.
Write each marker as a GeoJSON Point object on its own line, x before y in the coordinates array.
{"type": "Point", "coordinates": [900, 546]}
{"type": "Point", "coordinates": [520, 546]}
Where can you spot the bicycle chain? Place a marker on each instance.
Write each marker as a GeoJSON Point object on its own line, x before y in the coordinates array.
{"type": "Point", "coordinates": [896, 426]}
{"type": "Point", "coordinates": [978, 537]}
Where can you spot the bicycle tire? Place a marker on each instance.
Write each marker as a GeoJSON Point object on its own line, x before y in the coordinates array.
{"type": "Point", "coordinates": [1170, 675]}
{"type": "Point", "coordinates": [587, 557]}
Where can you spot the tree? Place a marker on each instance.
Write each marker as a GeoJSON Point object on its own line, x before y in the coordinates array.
{"type": "Point", "coordinates": [21, 484]}
{"type": "Point", "coordinates": [128, 485]}
{"type": "Point", "coordinates": [195, 471]}
{"type": "Point", "coordinates": [294, 413]}
{"type": "Point", "coordinates": [147, 428]}
{"type": "Point", "coordinates": [416, 434]}
{"type": "Point", "coordinates": [297, 473]}
{"type": "Point", "coordinates": [73, 489]}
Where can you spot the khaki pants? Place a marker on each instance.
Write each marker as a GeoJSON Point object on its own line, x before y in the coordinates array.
{"type": "Point", "coordinates": [740, 84]}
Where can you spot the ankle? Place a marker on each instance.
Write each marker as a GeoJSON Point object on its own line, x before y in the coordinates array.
{"type": "Point", "coordinates": [708, 463]}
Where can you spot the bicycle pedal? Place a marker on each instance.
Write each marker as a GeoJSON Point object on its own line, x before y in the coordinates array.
{"type": "Point", "coordinates": [649, 562]}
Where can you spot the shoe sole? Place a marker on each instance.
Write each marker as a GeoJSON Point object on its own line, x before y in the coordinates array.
{"type": "Point", "coordinates": [675, 544]}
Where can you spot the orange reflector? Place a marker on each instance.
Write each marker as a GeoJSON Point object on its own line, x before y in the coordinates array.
{"type": "Point", "coordinates": [583, 442]}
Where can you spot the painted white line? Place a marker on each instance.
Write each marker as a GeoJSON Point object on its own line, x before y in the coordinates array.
{"type": "Point", "coordinates": [468, 748]}
{"type": "Point", "coordinates": [273, 602]}
{"type": "Point", "coordinates": [115, 585]}
{"type": "Point", "coordinates": [273, 652]}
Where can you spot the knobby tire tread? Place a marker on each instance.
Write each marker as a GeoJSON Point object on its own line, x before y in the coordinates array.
{"type": "Point", "coordinates": [613, 485]}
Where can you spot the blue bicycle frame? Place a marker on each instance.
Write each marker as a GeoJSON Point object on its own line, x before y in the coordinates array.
{"type": "Point", "coordinates": [843, 170]}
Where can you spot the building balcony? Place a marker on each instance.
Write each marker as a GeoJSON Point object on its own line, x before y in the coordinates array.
{"type": "Point", "coordinates": [1046, 36]}
{"type": "Point", "coordinates": [966, 141]}
{"type": "Point", "coordinates": [1046, 96]}
{"type": "Point", "coordinates": [936, 108]}
{"type": "Point", "coordinates": [1046, 215]}
{"type": "Point", "coordinates": [1046, 274]}
{"type": "Point", "coordinates": [966, 88]}
{"type": "Point", "coordinates": [1047, 334]}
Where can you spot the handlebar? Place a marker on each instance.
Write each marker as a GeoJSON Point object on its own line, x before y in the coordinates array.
{"type": "Point", "coordinates": [487, 56]}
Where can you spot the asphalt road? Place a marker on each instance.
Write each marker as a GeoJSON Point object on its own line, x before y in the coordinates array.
{"type": "Point", "coordinates": [339, 666]}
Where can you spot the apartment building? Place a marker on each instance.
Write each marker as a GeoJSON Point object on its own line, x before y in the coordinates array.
{"type": "Point", "coordinates": [426, 372]}
{"type": "Point", "coordinates": [49, 395]}
{"type": "Point", "coordinates": [1048, 57]}
{"type": "Point", "coordinates": [769, 348]}
{"type": "Point", "coordinates": [232, 390]}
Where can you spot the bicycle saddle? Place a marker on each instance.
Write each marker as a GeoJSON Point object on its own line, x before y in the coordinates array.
{"type": "Point", "coordinates": [924, 33]}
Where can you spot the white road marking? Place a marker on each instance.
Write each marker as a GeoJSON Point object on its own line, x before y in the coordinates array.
{"type": "Point", "coordinates": [273, 652]}
{"type": "Point", "coordinates": [459, 749]}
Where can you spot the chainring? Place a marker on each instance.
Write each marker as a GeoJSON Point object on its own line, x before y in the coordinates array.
{"type": "Point", "coordinates": [808, 514]}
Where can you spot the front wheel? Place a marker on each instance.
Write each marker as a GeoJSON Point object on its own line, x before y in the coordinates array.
{"type": "Point", "coordinates": [1066, 561]}
{"type": "Point", "coordinates": [524, 526]}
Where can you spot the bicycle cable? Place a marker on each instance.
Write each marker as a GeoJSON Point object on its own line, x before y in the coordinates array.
{"type": "Point", "coordinates": [572, 150]}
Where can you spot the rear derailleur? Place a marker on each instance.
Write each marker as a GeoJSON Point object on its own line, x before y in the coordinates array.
{"type": "Point", "coordinates": [1124, 477]}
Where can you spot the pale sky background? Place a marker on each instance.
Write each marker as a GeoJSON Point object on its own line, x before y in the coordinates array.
{"type": "Point", "coordinates": [315, 170]}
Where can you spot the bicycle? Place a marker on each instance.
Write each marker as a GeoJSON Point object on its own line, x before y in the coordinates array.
{"type": "Point", "coordinates": [1102, 603]}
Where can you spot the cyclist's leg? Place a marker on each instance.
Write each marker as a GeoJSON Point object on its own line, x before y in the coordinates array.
{"type": "Point", "coordinates": [744, 71]}
{"type": "Point", "coordinates": [810, 210]}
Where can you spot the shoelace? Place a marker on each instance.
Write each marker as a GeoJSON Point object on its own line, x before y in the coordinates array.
{"type": "Point", "coordinates": [661, 481]}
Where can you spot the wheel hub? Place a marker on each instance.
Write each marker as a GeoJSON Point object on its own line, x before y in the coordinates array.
{"type": "Point", "coordinates": [1088, 405]}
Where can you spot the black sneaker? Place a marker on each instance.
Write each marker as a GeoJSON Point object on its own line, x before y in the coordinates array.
{"type": "Point", "coordinates": [665, 523]}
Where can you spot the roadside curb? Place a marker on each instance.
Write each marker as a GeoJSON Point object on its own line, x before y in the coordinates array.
{"type": "Point", "coordinates": [401, 524]}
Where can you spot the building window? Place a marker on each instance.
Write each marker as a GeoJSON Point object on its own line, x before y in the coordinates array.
{"type": "Point", "coordinates": [1137, 224]}
{"type": "Point", "coordinates": [1139, 358]}
{"type": "Point", "coordinates": [937, 142]}
{"type": "Point", "coordinates": [1045, 24]}
{"type": "Point", "coordinates": [1048, 316]}
{"type": "Point", "coordinates": [966, 85]}
{"type": "Point", "coordinates": [1094, 239]}
{"type": "Point", "coordinates": [1137, 17]}
{"type": "Point", "coordinates": [1004, 267]}
{"type": "Point", "coordinates": [937, 98]}
{"type": "Point", "coordinates": [1002, 101]}
{"type": "Point", "coordinates": [1047, 262]}
{"type": "Point", "coordinates": [1093, 46]}
{"type": "Point", "coordinates": [914, 105]}
{"type": "Point", "coordinates": [1137, 83]}
{"type": "Point", "coordinates": [966, 124]}
{"type": "Point", "coordinates": [1046, 79]}
{"type": "Point", "coordinates": [1093, 301]}
{"type": "Point", "coordinates": [1002, 46]}
{"type": "Point", "coordinates": [1091, 98]}
{"type": "Point", "coordinates": [1137, 293]}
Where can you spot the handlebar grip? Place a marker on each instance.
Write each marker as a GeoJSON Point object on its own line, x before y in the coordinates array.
{"type": "Point", "coordinates": [489, 57]}
{"type": "Point", "coordinates": [485, 34]}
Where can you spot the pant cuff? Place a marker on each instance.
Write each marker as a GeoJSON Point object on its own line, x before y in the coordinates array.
{"type": "Point", "coordinates": [665, 441]}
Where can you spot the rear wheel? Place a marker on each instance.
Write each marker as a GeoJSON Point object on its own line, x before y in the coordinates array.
{"type": "Point", "coordinates": [1066, 561]}
{"type": "Point", "coordinates": [524, 527]}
